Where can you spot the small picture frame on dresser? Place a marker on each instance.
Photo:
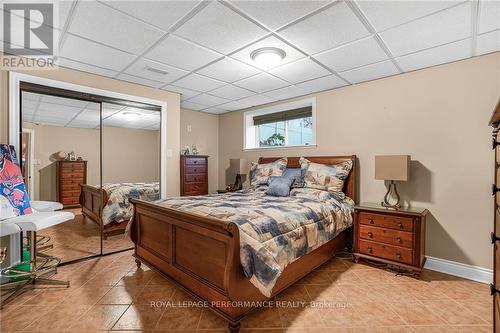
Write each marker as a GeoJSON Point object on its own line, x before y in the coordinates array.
{"type": "Point", "coordinates": [390, 236]}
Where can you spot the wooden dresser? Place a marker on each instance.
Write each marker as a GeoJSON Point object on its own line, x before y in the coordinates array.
{"type": "Point", "coordinates": [194, 175]}
{"type": "Point", "coordinates": [390, 236]}
{"type": "Point", "coordinates": [70, 174]}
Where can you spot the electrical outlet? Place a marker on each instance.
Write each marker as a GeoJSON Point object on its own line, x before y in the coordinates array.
{"type": "Point", "coordinates": [189, 128]}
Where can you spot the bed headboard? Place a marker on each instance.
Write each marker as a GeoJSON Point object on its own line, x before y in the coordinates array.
{"type": "Point", "coordinates": [350, 186]}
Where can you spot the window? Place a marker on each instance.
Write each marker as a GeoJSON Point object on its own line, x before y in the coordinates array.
{"type": "Point", "coordinates": [290, 124]}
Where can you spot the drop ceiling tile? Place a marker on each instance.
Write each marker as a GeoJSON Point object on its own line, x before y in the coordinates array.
{"type": "Point", "coordinates": [231, 92]}
{"type": "Point", "coordinates": [140, 80]}
{"type": "Point", "coordinates": [387, 14]}
{"type": "Point", "coordinates": [76, 65]}
{"type": "Point", "coordinates": [228, 70]}
{"type": "Point", "coordinates": [299, 71]}
{"type": "Point", "coordinates": [436, 56]}
{"type": "Point", "coordinates": [220, 28]}
{"type": "Point", "coordinates": [287, 92]}
{"type": "Point", "coordinates": [488, 42]}
{"type": "Point", "coordinates": [332, 27]}
{"type": "Point", "coordinates": [359, 53]}
{"type": "Point", "coordinates": [292, 53]}
{"type": "Point", "coordinates": [28, 96]}
{"type": "Point", "coordinates": [180, 53]}
{"type": "Point", "coordinates": [321, 84]}
{"type": "Point", "coordinates": [255, 100]}
{"type": "Point", "coordinates": [232, 106]}
{"type": "Point", "coordinates": [206, 99]}
{"type": "Point", "coordinates": [142, 66]}
{"type": "Point", "coordinates": [185, 93]}
{"type": "Point", "coordinates": [192, 106]}
{"type": "Point", "coordinates": [162, 14]}
{"type": "Point", "coordinates": [444, 27]}
{"type": "Point", "coordinates": [370, 72]}
{"type": "Point", "coordinates": [199, 83]}
{"type": "Point", "coordinates": [82, 124]}
{"type": "Point", "coordinates": [261, 82]}
{"type": "Point", "coordinates": [79, 49]}
{"type": "Point", "coordinates": [489, 16]}
{"type": "Point", "coordinates": [214, 110]}
{"type": "Point", "coordinates": [47, 100]}
{"type": "Point", "coordinates": [100, 23]}
{"type": "Point", "coordinates": [275, 14]}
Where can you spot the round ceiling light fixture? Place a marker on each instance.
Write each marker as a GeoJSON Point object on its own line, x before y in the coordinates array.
{"type": "Point", "coordinates": [131, 115]}
{"type": "Point", "coordinates": [268, 57]}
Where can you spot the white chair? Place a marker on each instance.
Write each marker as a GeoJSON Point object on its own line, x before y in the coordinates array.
{"type": "Point", "coordinates": [46, 206]}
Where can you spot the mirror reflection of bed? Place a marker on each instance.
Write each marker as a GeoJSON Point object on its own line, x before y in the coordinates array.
{"type": "Point", "coordinates": [130, 168]}
{"type": "Point", "coordinates": [66, 153]}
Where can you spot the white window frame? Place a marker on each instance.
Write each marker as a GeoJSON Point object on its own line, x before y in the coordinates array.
{"type": "Point", "coordinates": [251, 132]}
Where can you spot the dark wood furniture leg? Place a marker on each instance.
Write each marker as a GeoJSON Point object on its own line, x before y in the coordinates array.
{"type": "Point", "coordinates": [138, 263]}
{"type": "Point", "coordinates": [234, 327]}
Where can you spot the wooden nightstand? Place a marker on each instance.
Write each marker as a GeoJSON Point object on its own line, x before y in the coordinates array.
{"type": "Point", "coordinates": [390, 236]}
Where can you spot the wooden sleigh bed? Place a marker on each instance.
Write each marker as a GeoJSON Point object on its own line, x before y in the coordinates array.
{"type": "Point", "coordinates": [202, 255]}
{"type": "Point", "coordinates": [93, 200]}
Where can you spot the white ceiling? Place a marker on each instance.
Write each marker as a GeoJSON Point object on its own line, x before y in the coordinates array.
{"type": "Point", "coordinates": [67, 112]}
{"type": "Point", "coordinates": [204, 46]}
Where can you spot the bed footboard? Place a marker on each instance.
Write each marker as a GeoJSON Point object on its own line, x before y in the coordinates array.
{"type": "Point", "coordinates": [202, 255]}
{"type": "Point", "coordinates": [92, 200]}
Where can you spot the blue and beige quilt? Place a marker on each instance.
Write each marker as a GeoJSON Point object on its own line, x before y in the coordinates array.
{"type": "Point", "coordinates": [274, 231]}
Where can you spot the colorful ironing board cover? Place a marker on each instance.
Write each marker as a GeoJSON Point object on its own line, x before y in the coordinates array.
{"type": "Point", "coordinates": [12, 185]}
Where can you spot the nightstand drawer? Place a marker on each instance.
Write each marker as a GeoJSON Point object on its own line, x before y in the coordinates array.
{"type": "Point", "coordinates": [394, 253]}
{"type": "Point", "coordinates": [386, 221]}
{"type": "Point", "coordinates": [389, 236]}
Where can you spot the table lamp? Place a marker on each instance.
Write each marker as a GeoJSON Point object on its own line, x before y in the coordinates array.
{"type": "Point", "coordinates": [240, 167]}
{"type": "Point", "coordinates": [392, 168]}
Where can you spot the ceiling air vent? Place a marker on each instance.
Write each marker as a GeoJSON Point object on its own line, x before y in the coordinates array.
{"type": "Point", "coordinates": [156, 70]}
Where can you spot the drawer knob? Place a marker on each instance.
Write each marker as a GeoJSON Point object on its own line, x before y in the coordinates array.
{"type": "Point", "coordinates": [398, 254]}
{"type": "Point", "coordinates": [370, 221]}
{"type": "Point", "coordinates": [195, 161]}
{"type": "Point", "coordinates": [400, 224]}
{"type": "Point", "coordinates": [370, 234]}
{"type": "Point", "coordinates": [399, 239]}
{"type": "Point", "coordinates": [370, 249]}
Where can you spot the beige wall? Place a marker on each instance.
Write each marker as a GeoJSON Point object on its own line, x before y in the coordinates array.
{"type": "Point", "coordinates": [95, 81]}
{"type": "Point", "coordinates": [439, 116]}
{"type": "Point", "coordinates": [125, 158]}
{"type": "Point", "coordinates": [205, 135]}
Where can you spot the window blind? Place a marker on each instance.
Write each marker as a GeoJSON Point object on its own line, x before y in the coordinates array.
{"type": "Point", "coordinates": [299, 113]}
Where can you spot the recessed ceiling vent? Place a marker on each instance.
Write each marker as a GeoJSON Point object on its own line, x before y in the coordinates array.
{"type": "Point", "coordinates": [156, 70]}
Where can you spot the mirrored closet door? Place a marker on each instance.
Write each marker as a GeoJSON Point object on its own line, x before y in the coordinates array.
{"type": "Point", "coordinates": [130, 166]}
{"type": "Point", "coordinates": [60, 153]}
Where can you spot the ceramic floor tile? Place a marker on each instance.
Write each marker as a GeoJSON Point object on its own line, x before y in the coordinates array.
{"type": "Point", "coordinates": [317, 277]}
{"type": "Point", "coordinates": [300, 317]}
{"type": "Point", "coordinates": [415, 313]}
{"type": "Point", "coordinates": [209, 320]}
{"type": "Point", "coordinates": [120, 295]}
{"type": "Point", "coordinates": [179, 318]}
{"type": "Point", "coordinates": [20, 317]}
{"type": "Point", "coordinates": [154, 293]}
{"type": "Point", "coordinates": [263, 318]}
{"type": "Point", "coordinates": [453, 313]}
{"type": "Point", "coordinates": [100, 317]}
{"type": "Point", "coordinates": [347, 277]}
{"type": "Point", "coordinates": [296, 292]}
{"type": "Point", "coordinates": [331, 293]}
{"type": "Point", "coordinates": [59, 318]}
{"type": "Point", "coordinates": [482, 308]}
{"type": "Point", "coordinates": [139, 317]}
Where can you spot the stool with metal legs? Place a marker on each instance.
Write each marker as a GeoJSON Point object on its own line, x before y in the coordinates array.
{"type": "Point", "coordinates": [41, 265]}
{"type": "Point", "coordinates": [44, 206]}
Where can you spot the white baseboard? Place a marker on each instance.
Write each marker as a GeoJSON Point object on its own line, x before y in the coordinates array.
{"type": "Point", "coordinates": [469, 272]}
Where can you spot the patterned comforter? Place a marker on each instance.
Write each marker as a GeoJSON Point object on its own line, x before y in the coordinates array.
{"type": "Point", "coordinates": [118, 207]}
{"type": "Point", "coordinates": [274, 231]}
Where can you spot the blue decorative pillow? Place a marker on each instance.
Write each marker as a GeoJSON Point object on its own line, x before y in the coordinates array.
{"type": "Point", "coordinates": [279, 186]}
{"type": "Point", "coordinates": [296, 175]}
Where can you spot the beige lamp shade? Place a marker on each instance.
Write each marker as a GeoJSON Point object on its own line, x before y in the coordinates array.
{"type": "Point", "coordinates": [238, 166]}
{"type": "Point", "coordinates": [392, 167]}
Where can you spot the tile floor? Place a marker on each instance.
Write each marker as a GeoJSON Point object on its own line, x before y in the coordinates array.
{"type": "Point", "coordinates": [81, 237]}
{"type": "Point", "coordinates": [111, 294]}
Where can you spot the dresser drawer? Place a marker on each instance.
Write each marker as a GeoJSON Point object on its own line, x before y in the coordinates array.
{"type": "Point", "coordinates": [389, 236]}
{"type": "Point", "coordinates": [195, 169]}
{"type": "Point", "coordinates": [390, 252]}
{"type": "Point", "coordinates": [195, 189]}
{"type": "Point", "coordinates": [70, 201]}
{"type": "Point", "coordinates": [72, 175]}
{"type": "Point", "coordinates": [73, 165]}
{"type": "Point", "coordinates": [195, 161]}
{"type": "Point", "coordinates": [386, 221]}
{"type": "Point", "coordinates": [70, 186]}
{"type": "Point", "coordinates": [195, 178]}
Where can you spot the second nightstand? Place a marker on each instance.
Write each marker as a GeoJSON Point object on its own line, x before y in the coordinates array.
{"type": "Point", "coordinates": [390, 236]}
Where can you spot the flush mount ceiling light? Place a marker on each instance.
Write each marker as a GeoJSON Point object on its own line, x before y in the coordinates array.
{"type": "Point", "coordinates": [131, 115]}
{"type": "Point", "coordinates": [268, 57]}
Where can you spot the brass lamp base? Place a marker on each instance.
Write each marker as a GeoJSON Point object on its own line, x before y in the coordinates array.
{"type": "Point", "coordinates": [392, 188]}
